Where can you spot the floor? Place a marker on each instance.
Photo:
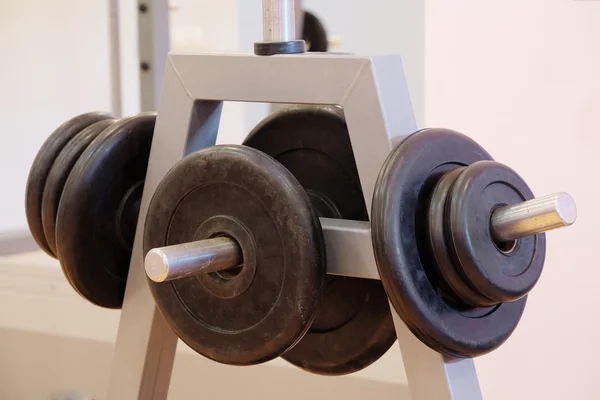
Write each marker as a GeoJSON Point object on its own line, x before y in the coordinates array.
{"type": "Point", "coordinates": [54, 344]}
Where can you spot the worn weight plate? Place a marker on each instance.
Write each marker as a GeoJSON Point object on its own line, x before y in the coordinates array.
{"type": "Point", "coordinates": [257, 312]}
{"type": "Point", "coordinates": [500, 275]}
{"type": "Point", "coordinates": [454, 287]}
{"type": "Point", "coordinates": [57, 177]}
{"type": "Point", "coordinates": [41, 167]}
{"type": "Point", "coordinates": [353, 327]}
{"type": "Point", "coordinates": [98, 210]}
{"type": "Point", "coordinates": [314, 33]}
{"type": "Point", "coordinates": [403, 254]}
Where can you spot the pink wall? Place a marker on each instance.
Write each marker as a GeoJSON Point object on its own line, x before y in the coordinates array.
{"type": "Point", "coordinates": [522, 77]}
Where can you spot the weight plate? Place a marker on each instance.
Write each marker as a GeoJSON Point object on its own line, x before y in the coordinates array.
{"type": "Point", "coordinates": [99, 207]}
{"type": "Point", "coordinates": [314, 33]}
{"type": "Point", "coordinates": [353, 327]}
{"type": "Point", "coordinates": [403, 253]}
{"type": "Point", "coordinates": [502, 276]}
{"type": "Point", "coordinates": [57, 177]}
{"type": "Point", "coordinates": [41, 167]}
{"type": "Point", "coordinates": [261, 310]}
{"type": "Point", "coordinates": [452, 279]}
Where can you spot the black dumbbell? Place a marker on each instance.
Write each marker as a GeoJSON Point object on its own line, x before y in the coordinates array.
{"type": "Point", "coordinates": [459, 240]}
{"type": "Point", "coordinates": [82, 199]}
{"type": "Point", "coordinates": [228, 223]}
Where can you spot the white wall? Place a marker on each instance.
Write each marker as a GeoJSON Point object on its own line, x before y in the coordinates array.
{"type": "Point", "coordinates": [522, 78]}
{"type": "Point", "coordinates": [54, 66]}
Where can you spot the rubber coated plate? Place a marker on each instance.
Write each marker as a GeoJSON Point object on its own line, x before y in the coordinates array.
{"type": "Point", "coordinates": [502, 276]}
{"type": "Point", "coordinates": [353, 327]}
{"type": "Point", "coordinates": [57, 177]}
{"type": "Point", "coordinates": [265, 307]}
{"type": "Point", "coordinates": [98, 210]}
{"type": "Point", "coordinates": [455, 288]}
{"type": "Point", "coordinates": [314, 33]}
{"type": "Point", "coordinates": [403, 254]}
{"type": "Point", "coordinates": [41, 167]}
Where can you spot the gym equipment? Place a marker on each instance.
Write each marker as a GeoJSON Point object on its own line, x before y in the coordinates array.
{"type": "Point", "coordinates": [353, 327]}
{"type": "Point", "coordinates": [57, 177]}
{"type": "Point", "coordinates": [190, 119]}
{"type": "Point", "coordinates": [500, 271]}
{"type": "Point", "coordinates": [254, 310]}
{"type": "Point", "coordinates": [458, 287]}
{"type": "Point", "coordinates": [99, 207]}
{"type": "Point", "coordinates": [92, 171]}
{"type": "Point", "coordinates": [41, 168]}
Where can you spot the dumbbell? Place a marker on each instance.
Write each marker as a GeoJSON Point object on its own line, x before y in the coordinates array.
{"type": "Point", "coordinates": [82, 199]}
{"type": "Point", "coordinates": [458, 240]}
{"type": "Point", "coordinates": [242, 278]}
{"type": "Point", "coordinates": [457, 237]}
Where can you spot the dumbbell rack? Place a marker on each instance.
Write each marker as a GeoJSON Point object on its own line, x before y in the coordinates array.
{"type": "Point", "coordinates": [373, 94]}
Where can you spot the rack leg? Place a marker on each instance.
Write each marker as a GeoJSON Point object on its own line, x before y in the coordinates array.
{"type": "Point", "coordinates": [431, 375]}
{"type": "Point", "coordinates": [142, 368]}
{"type": "Point", "coordinates": [145, 347]}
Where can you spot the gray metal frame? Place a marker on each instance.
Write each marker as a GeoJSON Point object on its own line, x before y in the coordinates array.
{"type": "Point", "coordinates": [115, 57]}
{"type": "Point", "coordinates": [153, 46]}
{"type": "Point", "coordinates": [373, 94]}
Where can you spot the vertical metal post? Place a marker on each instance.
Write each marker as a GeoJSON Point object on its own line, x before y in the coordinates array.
{"type": "Point", "coordinates": [153, 42]}
{"type": "Point", "coordinates": [115, 57]}
{"type": "Point", "coordinates": [279, 29]}
{"type": "Point", "coordinates": [279, 24]}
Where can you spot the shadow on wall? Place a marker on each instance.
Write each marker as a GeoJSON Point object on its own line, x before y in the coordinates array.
{"type": "Point", "coordinates": [42, 366]}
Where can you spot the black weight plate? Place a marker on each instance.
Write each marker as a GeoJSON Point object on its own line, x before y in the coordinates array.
{"type": "Point", "coordinates": [403, 254]}
{"type": "Point", "coordinates": [499, 275]}
{"type": "Point", "coordinates": [353, 327]}
{"type": "Point", "coordinates": [240, 192]}
{"type": "Point", "coordinates": [314, 33]}
{"type": "Point", "coordinates": [57, 177]}
{"type": "Point", "coordinates": [98, 210]}
{"type": "Point", "coordinates": [41, 167]}
{"type": "Point", "coordinates": [438, 231]}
